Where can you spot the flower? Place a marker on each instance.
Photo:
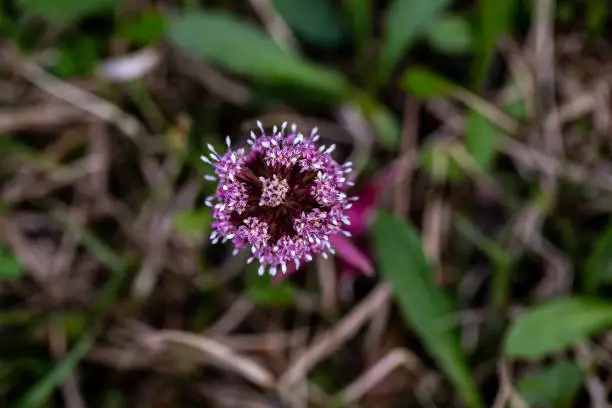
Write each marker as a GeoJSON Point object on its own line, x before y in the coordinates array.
{"type": "Point", "coordinates": [284, 197]}
{"type": "Point", "coordinates": [353, 255]}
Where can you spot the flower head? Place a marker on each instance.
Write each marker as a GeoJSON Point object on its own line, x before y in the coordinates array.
{"type": "Point", "coordinates": [284, 197]}
{"type": "Point", "coordinates": [353, 255]}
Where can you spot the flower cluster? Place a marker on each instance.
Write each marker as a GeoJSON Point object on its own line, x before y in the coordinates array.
{"type": "Point", "coordinates": [284, 197]}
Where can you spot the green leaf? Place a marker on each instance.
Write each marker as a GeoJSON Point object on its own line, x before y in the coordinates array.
{"type": "Point", "coordinates": [516, 108]}
{"type": "Point", "coordinates": [403, 265]}
{"type": "Point", "coordinates": [451, 34]}
{"type": "Point", "coordinates": [405, 22]}
{"type": "Point", "coordinates": [555, 385]}
{"type": "Point", "coordinates": [237, 45]}
{"type": "Point", "coordinates": [316, 21]}
{"type": "Point", "coordinates": [480, 140]}
{"type": "Point", "coordinates": [11, 267]}
{"type": "Point", "coordinates": [495, 19]}
{"type": "Point", "coordinates": [556, 325]}
{"type": "Point", "coordinates": [77, 58]}
{"type": "Point", "coordinates": [359, 14]}
{"type": "Point", "coordinates": [8, 25]}
{"type": "Point", "coordinates": [437, 159]}
{"type": "Point", "coordinates": [145, 29]}
{"type": "Point", "coordinates": [386, 125]}
{"type": "Point", "coordinates": [596, 15]}
{"type": "Point", "coordinates": [598, 268]}
{"type": "Point", "coordinates": [422, 83]}
{"type": "Point", "coordinates": [64, 11]}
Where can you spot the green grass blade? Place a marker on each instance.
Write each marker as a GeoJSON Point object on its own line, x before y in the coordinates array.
{"type": "Point", "coordinates": [40, 392]}
{"type": "Point", "coordinates": [403, 264]}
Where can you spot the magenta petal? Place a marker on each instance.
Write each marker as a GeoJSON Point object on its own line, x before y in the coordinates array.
{"type": "Point", "coordinates": [362, 211]}
{"type": "Point", "coordinates": [352, 255]}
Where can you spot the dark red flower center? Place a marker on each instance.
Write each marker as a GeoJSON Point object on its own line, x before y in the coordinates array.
{"type": "Point", "coordinates": [297, 199]}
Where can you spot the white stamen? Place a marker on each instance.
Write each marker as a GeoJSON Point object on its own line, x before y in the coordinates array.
{"type": "Point", "coordinates": [284, 268]}
{"type": "Point", "coordinates": [261, 270]}
{"type": "Point", "coordinates": [235, 251]}
{"type": "Point", "coordinates": [331, 149]}
{"type": "Point", "coordinates": [205, 159]}
{"type": "Point", "coordinates": [293, 127]}
{"type": "Point", "coordinates": [228, 141]}
{"type": "Point", "coordinates": [273, 271]}
{"type": "Point", "coordinates": [274, 191]}
{"type": "Point", "coordinates": [210, 178]}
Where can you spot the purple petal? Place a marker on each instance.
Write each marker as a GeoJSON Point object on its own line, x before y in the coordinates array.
{"type": "Point", "coordinates": [352, 255]}
{"type": "Point", "coordinates": [363, 210]}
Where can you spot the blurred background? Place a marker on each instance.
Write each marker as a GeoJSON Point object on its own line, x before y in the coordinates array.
{"type": "Point", "coordinates": [480, 273]}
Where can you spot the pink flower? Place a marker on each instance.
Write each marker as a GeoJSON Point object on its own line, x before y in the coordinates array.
{"type": "Point", "coordinates": [284, 198]}
{"type": "Point", "coordinates": [352, 250]}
